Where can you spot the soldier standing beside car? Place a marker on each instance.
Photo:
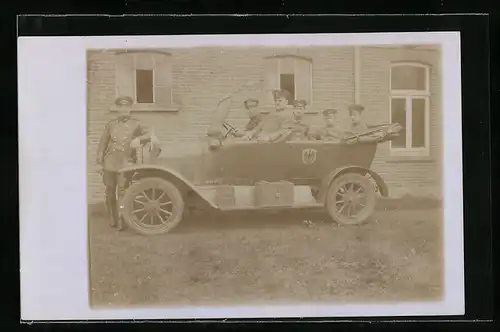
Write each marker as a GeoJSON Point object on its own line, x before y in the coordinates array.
{"type": "Point", "coordinates": [115, 150]}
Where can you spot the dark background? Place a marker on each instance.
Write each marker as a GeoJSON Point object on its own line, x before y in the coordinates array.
{"type": "Point", "coordinates": [477, 31]}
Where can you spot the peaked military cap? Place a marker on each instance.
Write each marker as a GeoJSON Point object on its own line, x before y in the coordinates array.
{"type": "Point", "coordinates": [298, 103]}
{"type": "Point", "coordinates": [356, 107]}
{"type": "Point", "coordinates": [329, 111]}
{"type": "Point", "coordinates": [123, 101]}
{"type": "Point", "coordinates": [281, 93]}
{"type": "Point", "coordinates": [251, 102]}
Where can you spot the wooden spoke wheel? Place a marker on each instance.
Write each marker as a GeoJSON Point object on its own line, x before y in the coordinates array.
{"type": "Point", "coordinates": [152, 206]}
{"type": "Point", "coordinates": [351, 199]}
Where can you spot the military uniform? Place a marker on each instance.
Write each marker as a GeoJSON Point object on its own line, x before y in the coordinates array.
{"type": "Point", "coordinates": [298, 131]}
{"type": "Point", "coordinates": [295, 129]}
{"type": "Point", "coordinates": [330, 131]}
{"type": "Point", "coordinates": [271, 126]}
{"type": "Point", "coordinates": [114, 151]}
{"type": "Point", "coordinates": [358, 127]}
{"type": "Point", "coordinates": [255, 116]}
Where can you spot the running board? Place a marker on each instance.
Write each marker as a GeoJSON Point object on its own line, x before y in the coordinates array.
{"type": "Point", "coordinates": [272, 207]}
{"type": "Point", "coordinates": [242, 198]}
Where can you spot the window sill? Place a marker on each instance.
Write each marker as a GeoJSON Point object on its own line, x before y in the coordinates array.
{"type": "Point", "coordinates": [410, 159]}
{"type": "Point", "coordinates": [267, 110]}
{"type": "Point", "coordinates": [150, 108]}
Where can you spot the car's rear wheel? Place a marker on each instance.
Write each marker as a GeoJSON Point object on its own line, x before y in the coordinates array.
{"type": "Point", "coordinates": [351, 199]}
{"type": "Point", "coordinates": [152, 206]}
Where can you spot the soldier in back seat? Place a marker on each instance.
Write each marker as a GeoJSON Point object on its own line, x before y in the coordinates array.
{"type": "Point", "coordinates": [295, 129]}
{"type": "Point", "coordinates": [270, 128]}
{"type": "Point", "coordinates": [358, 126]}
{"type": "Point", "coordinates": [331, 131]}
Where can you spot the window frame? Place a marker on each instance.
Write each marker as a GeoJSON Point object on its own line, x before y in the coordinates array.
{"type": "Point", "coordinates": [409, 95]}
{"type": "Point", "coordinates": [154, 106]}
{"type": "Point", "coordinates": [295, 58]}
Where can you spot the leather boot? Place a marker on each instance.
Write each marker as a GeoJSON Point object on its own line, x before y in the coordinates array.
{"type": "Point", "coordinates": [111, 207]}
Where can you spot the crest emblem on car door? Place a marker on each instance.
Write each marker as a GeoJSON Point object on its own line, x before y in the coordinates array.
{"type": "Point", "coordinates": [309, 156]}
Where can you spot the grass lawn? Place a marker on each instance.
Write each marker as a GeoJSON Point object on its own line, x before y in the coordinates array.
{"type": "Point", "coordinates": [256, 258]}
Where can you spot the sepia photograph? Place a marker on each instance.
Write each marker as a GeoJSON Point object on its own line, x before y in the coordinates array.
{"type": "Point", "coordinates": [309, 173]}
{"type": "Point", "coordinates": [282, 172]}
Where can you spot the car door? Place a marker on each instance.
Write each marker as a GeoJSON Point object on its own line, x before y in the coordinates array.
{"type": "Point", "coordinates": [244, 162]}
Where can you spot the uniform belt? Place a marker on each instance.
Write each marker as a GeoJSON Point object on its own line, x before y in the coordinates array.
{"type": "Point", "coordinates": [115, 149]}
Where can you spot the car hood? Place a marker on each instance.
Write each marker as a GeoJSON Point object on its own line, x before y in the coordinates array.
{"type": "Point", "coordinates": [185, 158]}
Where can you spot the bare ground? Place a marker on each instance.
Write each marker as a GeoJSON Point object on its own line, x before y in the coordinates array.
{"type": "Point", "coordinates": [257, 258]}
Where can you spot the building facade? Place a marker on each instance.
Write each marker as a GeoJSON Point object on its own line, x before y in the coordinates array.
{"type": "Point", "coordinates": [176, 91]}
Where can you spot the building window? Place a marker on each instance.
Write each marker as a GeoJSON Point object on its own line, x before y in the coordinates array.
{"type": "Point", "coordinates": [291, 73]}
{"type": "Point", "coordinates": [144, 86]}
{"type": "Point", "coordinates": [145, 77]}
{"type": "Point", "coordinates": [409, 106]}
{"type": "Point", "coordinates": [287, 82]}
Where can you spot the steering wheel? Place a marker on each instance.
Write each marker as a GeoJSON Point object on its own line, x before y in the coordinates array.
{"type": "Point", "coordinates": [230, 130]}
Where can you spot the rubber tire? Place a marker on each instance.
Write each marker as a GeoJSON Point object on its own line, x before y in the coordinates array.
{"type": "Point", "coordinates": [371, 199]}
{"type": "Point", "coordinates": [143, 184]}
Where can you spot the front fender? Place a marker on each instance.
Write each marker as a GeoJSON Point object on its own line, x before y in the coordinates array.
{"type": "Point", "coordinates": [325, 184]}
{"type": "Point", "coordinates": [167, 174]}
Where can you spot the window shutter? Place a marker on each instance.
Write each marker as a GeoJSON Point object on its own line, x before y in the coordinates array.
{"type": "Point", "coordinates": [272, 82]}
{"type": "Point", "coordinates": [125, 86]}
{"type": "Point", "coordinates": [163, 81]}
{"type": "Point", "coordinates": [303, 80]}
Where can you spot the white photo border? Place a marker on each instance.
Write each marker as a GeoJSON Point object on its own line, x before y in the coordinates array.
{"type": "Point", "coordinates": [53, 186]}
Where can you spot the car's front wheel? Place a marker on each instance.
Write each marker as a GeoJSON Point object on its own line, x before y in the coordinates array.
{"type": "Point", "coordinates": [351, 199]}
{"type": "Point", "coordinates": [152, 206]}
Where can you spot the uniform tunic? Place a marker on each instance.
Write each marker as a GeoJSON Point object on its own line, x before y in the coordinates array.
{"type": "Point", "coordinates": [359, 128]}
{"type": "Point", "coordinates": [296, 130]}
{"type": "Point", "coordinates": [254, 121]}
{"type": "Point", "coordinates": [331, 133]}
{"type": "Point", "coordinates": [114, 150]}
{"type": "Point", "coordinates": [270, 124]}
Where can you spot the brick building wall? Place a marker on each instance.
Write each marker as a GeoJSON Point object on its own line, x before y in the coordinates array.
{"type": "Point", "coordinates": [201, 77]}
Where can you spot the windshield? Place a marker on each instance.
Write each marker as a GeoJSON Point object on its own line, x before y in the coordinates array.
{"type": "Point", "coordinates": [224, 106]}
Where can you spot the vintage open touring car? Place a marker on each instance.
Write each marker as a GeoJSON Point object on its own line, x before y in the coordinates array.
{"type": "Point", "coordinates": [228, 173]}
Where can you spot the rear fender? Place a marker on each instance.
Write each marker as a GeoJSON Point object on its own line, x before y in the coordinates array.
{"type": "Point", "coordinates": [325, 184]}
{"type": "Point", "coordinates": [184, 185]}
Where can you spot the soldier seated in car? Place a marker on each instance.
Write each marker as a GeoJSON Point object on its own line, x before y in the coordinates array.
{"type": "Point", "coordinates": [295, 129]}
{"type": "Point", "coordinates": [331, 131]}
{"type": "Point", "coordinates": [358, 126]}
{"type": "Point", "coordinates": [270, 128]}
{"type": "Point", "coordinates": [252, 107]}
